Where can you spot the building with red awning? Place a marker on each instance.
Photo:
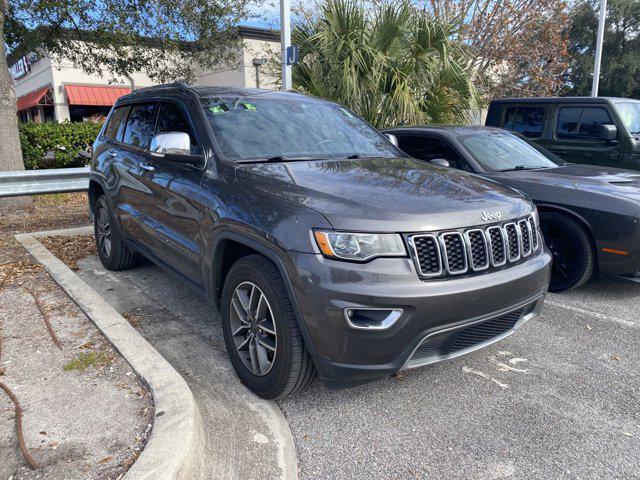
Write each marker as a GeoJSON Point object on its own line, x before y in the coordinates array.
{"type": "Point", "coordinates": [49, 89]}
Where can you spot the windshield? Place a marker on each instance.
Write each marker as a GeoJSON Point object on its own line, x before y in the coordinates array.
{"type": "Point", "coordinates": [629, 112]}
{"type": "Point", "coordinates": [254, 128]}
{"type": "Point", "coordinates": [504, 151]}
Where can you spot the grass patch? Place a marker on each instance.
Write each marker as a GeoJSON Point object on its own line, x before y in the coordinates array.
{"type": "Point", "coordinates": [84, 360]}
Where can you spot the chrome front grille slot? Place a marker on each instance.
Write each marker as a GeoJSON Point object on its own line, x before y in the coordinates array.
{"type": "Point", "coordinates": [454, 253]}
{"type": "Point", "coordinates": [477, 249]}
{"type": "Point", "coordinates": [497, 242]}
{"type": "Point", "coordinates": [473, 250]}
{"type": "Point", "coordinates": [526, 241]}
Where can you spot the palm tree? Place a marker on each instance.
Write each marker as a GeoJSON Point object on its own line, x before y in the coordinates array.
{"type": "Point", "coordinates": [389, 62]}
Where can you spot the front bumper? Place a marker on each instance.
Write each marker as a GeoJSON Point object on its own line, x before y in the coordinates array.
{"type": "Point", "coordinates": [346, 356]}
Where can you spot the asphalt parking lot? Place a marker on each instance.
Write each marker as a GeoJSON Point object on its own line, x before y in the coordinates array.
{"type": "Point", "coordinates": [558, 399]}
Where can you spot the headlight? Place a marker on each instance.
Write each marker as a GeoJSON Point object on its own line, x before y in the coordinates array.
{"type": "Point", "coordinates": [359, 246]}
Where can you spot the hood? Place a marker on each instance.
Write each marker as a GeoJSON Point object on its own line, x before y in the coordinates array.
{"type": "Point", "coordinates": [597, 179]}
{"type": "Point", "coordinates": [385, 194]}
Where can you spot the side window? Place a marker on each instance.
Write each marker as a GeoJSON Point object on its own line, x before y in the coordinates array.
{"type": "Point", "coordinates": [171, 119]}
{"type": "Point", "coordinates": [140, 125]}
{"type": "Point", "coordinates": [568, 122]}
{"type": "Point", "coordinates": [426, 148]}
{"type": "Point", "coordinates": [113, 130]}
{"type": "Point", "coordinates": [592, 118]}
{"type": "Point", "coordinates": [581, 123]}
{"type": "Point", "coordinates": [527, 121]}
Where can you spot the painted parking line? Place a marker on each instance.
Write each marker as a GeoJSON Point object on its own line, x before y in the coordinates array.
{"type": "Point", "coordinates": [599, 316]}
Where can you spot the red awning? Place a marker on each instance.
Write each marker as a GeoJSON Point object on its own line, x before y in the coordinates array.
{"type": "Point", "coordinates": [94, 95]}
{"type": "Point", "coordinates": [34, 98]}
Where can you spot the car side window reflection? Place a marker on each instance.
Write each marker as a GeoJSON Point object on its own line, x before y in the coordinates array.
{"type": "Point", "coordinates": [581, 123]}
{"type": "Point", "coordinates": [527, 121]}
{"type": "Point", "coordinates": [425, 148]}
{"type": "Point", "coordinates": [113, 130]}
{"type": "Point", "coordinates": [171, 119]}
{"type": "Point", "coordinates": [140, 125]}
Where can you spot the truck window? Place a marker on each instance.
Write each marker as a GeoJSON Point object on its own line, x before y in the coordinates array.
{"type": "Point", "coordinates": [527, 121]}
{"type": "Point", "coordinates": [581, 123]}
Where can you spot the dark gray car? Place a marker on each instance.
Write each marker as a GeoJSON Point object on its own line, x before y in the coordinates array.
{"type": "Point", "coordinates": [327, 252]}
{"type": "Point", "coordinates": [590, 215]}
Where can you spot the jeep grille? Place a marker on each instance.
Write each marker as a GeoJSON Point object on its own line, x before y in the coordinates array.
{"type": "Point", "coordinates": [474, 249]}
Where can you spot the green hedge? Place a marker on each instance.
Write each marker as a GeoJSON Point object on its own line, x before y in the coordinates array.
{"type": "Point", "coordinates": [56, 145]}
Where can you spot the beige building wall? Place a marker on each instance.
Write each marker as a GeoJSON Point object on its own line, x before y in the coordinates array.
{"type": "Point", "coordinates": [259, 49]}
{"type": "Point", "coordinates": [243, 73]}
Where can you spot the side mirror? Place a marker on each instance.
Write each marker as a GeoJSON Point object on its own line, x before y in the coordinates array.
{"type": "Point", "coordinates": [607, 132]}
{"type": "Point", "coordinates": [440, 162]}
{"type": "Point", "coordinates": [170, 143]}
{"type": "Point", "coordinates": [392, 138]}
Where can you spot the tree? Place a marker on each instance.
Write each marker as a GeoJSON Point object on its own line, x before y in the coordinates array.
{"type": "Point", "coordinates": [389, 62]}
{"type": "Point", "coordinates": [10, 152]}
{"type": "Point", "coordinates": [520, 45]}
{"type": "Point", "coordinates": [620, 71]}
{"type": "Point", "coordinates": [163, 38]}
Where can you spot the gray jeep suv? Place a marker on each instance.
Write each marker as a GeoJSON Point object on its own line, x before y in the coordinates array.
{"type": "Point", "coordinates": [328, 252]}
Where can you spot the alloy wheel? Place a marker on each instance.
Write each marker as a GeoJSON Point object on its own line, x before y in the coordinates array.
{"type": "Point", "coordinates": [104, 232]}
{"type": "Point", "coordinates": [253, 328]}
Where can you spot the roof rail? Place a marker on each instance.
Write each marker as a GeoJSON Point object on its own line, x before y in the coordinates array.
{"type": "Point", "coordinates": [181, 85]}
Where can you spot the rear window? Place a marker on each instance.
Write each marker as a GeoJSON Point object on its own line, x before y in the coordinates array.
{"type": "Point", "coordinates": [581, 123]}
{"type": "Point", "coordinates": [113, 130]}
{"type": "Point", "coordinates": [527, 121]}
{"type": "Point", "coordinates": [141, 125]}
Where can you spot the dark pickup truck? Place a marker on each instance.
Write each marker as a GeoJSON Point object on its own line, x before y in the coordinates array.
{"type": "Point", "coordinates": [594, 130]}
{"type": "Point", "coordinates": [328, 252]}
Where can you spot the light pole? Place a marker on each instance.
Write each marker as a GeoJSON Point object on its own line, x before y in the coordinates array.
{"type": "Point", "coordinates": [599, 40]}
{"type": "Point", "coordinates": [285, 38]}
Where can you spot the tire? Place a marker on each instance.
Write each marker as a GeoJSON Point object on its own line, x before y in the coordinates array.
{"type": "Point", "coordinates": [267, 351]}
{"type": "Point", "coordinates": [572, 250]}
{"type": "Point", "coordinates": [113, 252]}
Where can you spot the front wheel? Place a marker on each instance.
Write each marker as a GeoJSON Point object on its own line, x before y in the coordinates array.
{"type": "Point", "coordinates": [572, 250]}
{"type": "Point", "coordinates": [113, 252]}
{"type": "Point", "coordinates": [261, 332]}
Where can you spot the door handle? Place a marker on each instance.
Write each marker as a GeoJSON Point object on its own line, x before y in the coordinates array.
{"type": "Point", "coordinates": [113, 154]}
{"type": "Point", "coordinates": [147, 167]}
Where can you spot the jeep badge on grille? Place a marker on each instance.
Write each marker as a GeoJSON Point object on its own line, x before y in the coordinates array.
{"type": "Point", "coordinates": [486, 216]}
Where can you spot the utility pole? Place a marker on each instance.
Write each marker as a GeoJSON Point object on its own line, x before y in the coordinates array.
{"type": "Point", "coordinates": [599, 40]}
{"type": "Point", "coordinates": [285, 38]}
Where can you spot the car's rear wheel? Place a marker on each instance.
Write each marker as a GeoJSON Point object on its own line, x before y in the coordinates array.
{"type": "Point", "coordinates": [113, 252]}
{"type": "Point", "coordinates": [572, 250]}
{"type": "Point", "coordinates": [261, 332]}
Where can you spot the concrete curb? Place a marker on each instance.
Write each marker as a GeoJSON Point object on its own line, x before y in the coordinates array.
{"type": "Point", "coordinates": [174, 449]}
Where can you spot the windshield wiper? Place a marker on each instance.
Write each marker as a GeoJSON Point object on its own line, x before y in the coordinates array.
{"type": "Point", "coordinates": [278, 159]}
{"type": "Point", "coordinates": [522, 167]}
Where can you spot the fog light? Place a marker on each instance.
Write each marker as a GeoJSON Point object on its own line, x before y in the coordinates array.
{"type": "Point", "coordinates": [371, 318]}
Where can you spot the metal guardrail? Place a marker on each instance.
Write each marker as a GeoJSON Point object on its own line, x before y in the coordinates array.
{"type": "Point", "coordinates": [35, 182]}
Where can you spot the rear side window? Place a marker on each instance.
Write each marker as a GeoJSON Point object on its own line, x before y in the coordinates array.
{"type": "Point", "coordinates": [172, 119]}
{"type": "Point", "coordinates": [527, 121]}
{"type": "Point", "coordinates": [141, 125]}
{"type": "Point", "coordinates": [113, 130]}
{"type": "Point", "coordinates": [581, 123]}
